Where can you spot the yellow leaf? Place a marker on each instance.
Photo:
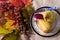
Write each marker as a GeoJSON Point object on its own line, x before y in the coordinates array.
{"type": "Point", "coordinates": [9, 23]}
{"type": "Point", "coordinates": [6, 13]}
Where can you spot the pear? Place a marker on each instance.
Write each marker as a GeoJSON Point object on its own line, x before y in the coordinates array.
{"type": "Point", "coordinates": [49, 16]}
{"type": "Point", "coordinates": [44, 26]}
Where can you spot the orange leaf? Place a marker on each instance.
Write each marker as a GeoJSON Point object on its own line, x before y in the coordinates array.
{"type": "Point", "coordinates": [16, 3]}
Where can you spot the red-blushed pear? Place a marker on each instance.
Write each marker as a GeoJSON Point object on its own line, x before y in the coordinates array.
{"type": "Point", "coordinates": [38, 16]}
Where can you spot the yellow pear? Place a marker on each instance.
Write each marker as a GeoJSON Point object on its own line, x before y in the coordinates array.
{"type": "Point", "coordinates": [49, 16]}
{"type": "Point", "coordinates": [44, 26]}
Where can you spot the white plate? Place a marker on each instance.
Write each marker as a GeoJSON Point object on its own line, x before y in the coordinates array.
{"type": "Point", "coordinates": [55, 26]}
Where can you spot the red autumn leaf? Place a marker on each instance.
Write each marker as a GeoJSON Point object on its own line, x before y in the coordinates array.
{"type": "Point", "coordinates": [2, 2]}
{"type": "Point", "coordinates": [9, 16]}
{"type": "Point", "coordinates": [20, 3]}
{"type": "Point", "coordinates": [27, 2]}
{"type": "Point", "coordinates": [1, 9]}
{"type": "Point", "coordinates": [14, 23]}
{"type": "Point", "coordinates": [16, 3]}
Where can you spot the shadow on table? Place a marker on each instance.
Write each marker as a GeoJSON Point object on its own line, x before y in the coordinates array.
{"type": "Point", "coordinates": [57, 35]}
{"type": "Point", "coordinates": [59, 27]}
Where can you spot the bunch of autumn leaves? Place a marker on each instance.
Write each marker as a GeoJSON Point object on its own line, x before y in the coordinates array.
{"type": "Point", "coordinates": [19, 4]}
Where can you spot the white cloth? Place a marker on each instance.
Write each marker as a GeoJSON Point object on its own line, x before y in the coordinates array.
{"type": "Point", "coordinates": [51, 3]}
